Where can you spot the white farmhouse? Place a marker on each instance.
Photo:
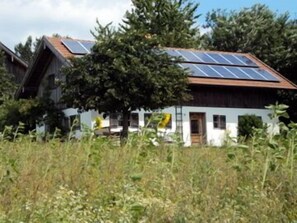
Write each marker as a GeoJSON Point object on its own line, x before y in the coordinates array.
{"type": "Point", "coordinates": [224, 86]}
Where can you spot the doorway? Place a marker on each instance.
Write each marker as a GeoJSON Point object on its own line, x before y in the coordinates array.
{"type": "Point", "coordinates": [198, 128]}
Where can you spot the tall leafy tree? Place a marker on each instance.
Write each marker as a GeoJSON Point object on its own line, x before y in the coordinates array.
{"type": "Point", "coordinates": [126, 71]}
{"type": "Point", "coordinates": [173, 22]}
{"type": "Point", "coordinates": [255, 30]}
{"type": "Point", "coordinates": [7, 85]}
{"type": "Point", "coordinates": [271, 37]}
{"type": "Point", "coordinates": [26, 51]}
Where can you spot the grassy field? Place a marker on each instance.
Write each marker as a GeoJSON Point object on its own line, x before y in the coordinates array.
{"type": "Point", "coordinates": [95, 180]}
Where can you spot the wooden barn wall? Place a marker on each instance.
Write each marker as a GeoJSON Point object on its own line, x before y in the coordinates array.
{"type": "Point", "coordinates": [231, 97]}
{"type": "Point", "coordinates": [54, 68]}
{"type": "Point", "coordinates": [17, 70]}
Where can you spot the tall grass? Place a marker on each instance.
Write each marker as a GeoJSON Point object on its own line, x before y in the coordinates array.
{"type": "Point", "coordinates": [96, 180]}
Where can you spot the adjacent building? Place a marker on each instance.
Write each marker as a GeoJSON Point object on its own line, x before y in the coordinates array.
{"type": "Point", "coordinates": [14, 64]}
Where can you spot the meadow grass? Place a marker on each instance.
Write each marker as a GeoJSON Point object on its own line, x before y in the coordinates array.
{"type": "Point", "coordinates": [96, 180]}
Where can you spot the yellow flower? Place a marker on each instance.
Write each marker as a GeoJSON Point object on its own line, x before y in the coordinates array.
{"type": "Point", "coordinates": [165, 120]}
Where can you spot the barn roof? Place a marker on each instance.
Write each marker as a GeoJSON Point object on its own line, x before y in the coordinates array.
{"type": "Point", "coordinates": [13, 56]}
{"type": "Point", "coordinates": [205, 67]}
{"type": "Point", "coordinates": [275, 81]}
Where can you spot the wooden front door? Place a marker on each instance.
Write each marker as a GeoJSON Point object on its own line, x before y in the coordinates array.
{"type": "Point", "coordinates": [197, 128]}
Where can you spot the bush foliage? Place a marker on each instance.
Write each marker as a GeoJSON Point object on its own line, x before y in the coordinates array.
{"type": "Point", "coordinates": [247, 123]}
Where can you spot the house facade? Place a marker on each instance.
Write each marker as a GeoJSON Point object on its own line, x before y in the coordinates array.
{"type": "Point", "coordinates": [224, 87]}
{"type": "Point", "coordinates": [13, 64]}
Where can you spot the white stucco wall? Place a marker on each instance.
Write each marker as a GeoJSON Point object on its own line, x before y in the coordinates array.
{"type": "Point", "coordinates": [216, 136]}
{"type": "Point", "coordinates": [213, 136]}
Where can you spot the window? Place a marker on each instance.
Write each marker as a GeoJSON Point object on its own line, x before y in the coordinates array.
{"type": "Point", "coordinates": [52, 81]}
{"type": "Point", "coordinates": [134, 120]}
{"type": "Point", "coordinates": [153, 122]}
{"type": "Point", "coordinates": [116, 120]}
{"type": "Point", "coordinates": [219, 121]}
{"type": "Point", "coordinates": [74, 122]}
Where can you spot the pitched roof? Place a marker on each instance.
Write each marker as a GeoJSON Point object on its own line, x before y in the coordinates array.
{"type": "Point", "coordinates": [13, 56]}
{"type": "Point", "coordinates": [61, 49]}
{"type": "Point", "coordinates": [55, 46]}
{"type": "Point", "coordinates": [283, 83]}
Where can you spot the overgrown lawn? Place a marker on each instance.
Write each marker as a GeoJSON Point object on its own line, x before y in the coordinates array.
{"type": "Point", "coordinates": [95, 180]}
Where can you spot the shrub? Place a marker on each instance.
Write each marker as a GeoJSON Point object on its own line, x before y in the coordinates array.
{"type": "Point", "coordinates": [13, 112]}
{"type": "Point", "coordinates": [247, 123]}
{"type": "Point", "coordinates": [30, 112]}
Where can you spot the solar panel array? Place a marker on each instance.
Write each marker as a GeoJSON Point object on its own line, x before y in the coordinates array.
{"type": "Point", "coordinates": [220, 65]}
{"type": "Point", "coordinates": [78, 47]}
{"type": "Point", "coordinates": [212, 58]}
{"type": "Point", "coordinates": [200, 64]}
{"type": "Point", "coordinates": [229, 72]}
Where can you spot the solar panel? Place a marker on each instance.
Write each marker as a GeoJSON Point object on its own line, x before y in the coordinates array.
{"type": "Point", "coordinates": [266, 74]}
{"type": "Point", "coordinates": [195, 70]}
{"type": "Point", "coordinates": [260, 74]}
{"type": "Point", "coordinates": [254, 75]}
{"type": "Point", "coordinates": [74, 46]}
{"type": "Point", "coordinates": [87, 45]}
{"type": "Point", "coordinates": [205, 57]}
{"type": "Point", "coordinates": [212, 57]}
{"type": "Point", "coordinates": [219, 58]}
{"type": "Point", "coordinates": [200, 64]}
{"type": "Point", "coordinates": [240, 74]}
{"type": "Point", "coordinates": [227, 72]}
{"type": "Point", "coordinates": [172, 53]}
{"type": "Point", "coordinates": [245, 60]}
{"type": "Point", "coordinates": [233, 60]}
{"type": "Point", "coordinates": [190, 56]}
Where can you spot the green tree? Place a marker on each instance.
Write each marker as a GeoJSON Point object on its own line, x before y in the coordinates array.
{"type": "Point", "coordinates": [7, 85]}
{"type": "Point", "coordinates": [27, 50]}
{"type": "Point", "coordinates": [31, 112]}
{"type": "Point", "coordinates": [126, 71]}
{"type": "Point", "coordinates": [172, 21]}
{"type": "Point", "coordinates": [257, 30]}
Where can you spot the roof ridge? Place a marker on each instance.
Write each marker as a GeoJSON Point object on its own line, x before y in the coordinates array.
{"type": "Point", "coordinates": [70, 38]}
{"type": "Point", "coordinates": [11, 53]}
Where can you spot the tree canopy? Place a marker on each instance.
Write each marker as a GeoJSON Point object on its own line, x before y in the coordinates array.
{"type": "Point", "coordinates": [269, 36]}
{"type": "Point", "coordinates": [126, 71]}
{"type": "Point", "coordinates": [26, 51]}
{"type": "Point", "coordinates": [173, 22]}
{"type": "Point", "coordinates": [257, 30]}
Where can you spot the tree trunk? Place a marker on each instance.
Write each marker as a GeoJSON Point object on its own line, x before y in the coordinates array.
{"type": "Point", "coordinates": [124, 134]}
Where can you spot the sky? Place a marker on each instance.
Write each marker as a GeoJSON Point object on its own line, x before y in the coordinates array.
{"type": "Point", "coordinates": [75, 18]}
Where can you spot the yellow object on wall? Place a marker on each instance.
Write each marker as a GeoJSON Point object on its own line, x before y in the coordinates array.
{"type": "Point", "coordinates": [165, 120]}
{"type": "Point", "coordinates": [98, 123]}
